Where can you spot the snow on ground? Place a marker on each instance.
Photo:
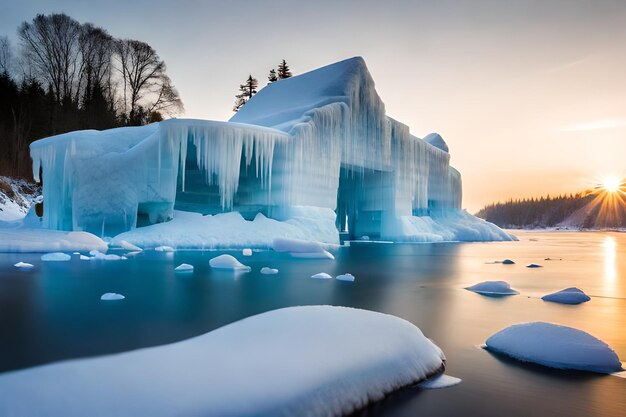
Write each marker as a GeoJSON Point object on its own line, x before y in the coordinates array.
{"type": "Point", "coordinates": [228, 262]}
{"type": "Point", "coordinates": [571, 295]}
{"type": "Point", "coordinates": [184, 268]}
{"type": "Point", "coordinates": [269, 271]}
{"type": "Point", "coordinates": [321, 275]}
{"type": "Point", "coordinates": [555, 346]}
{"type": "Point", "coordinates": [493, 288]}
{"type": "Point", "coordinates": [56, 257]}
{"type": "Point", "coordinates": [326, 360]}
{"type": "Point", "coordinates": [345, 277]}
{"type": "Point", "coordinates": [230, 230]}
{"type": "Point", "coordinates": [43, 240]}
{"type": "Point", "coordinates": [16, 197]}
{"type": "Point", "coordinates": [111, 296]}
{"type": "Point", "coordinates": [440, 381]}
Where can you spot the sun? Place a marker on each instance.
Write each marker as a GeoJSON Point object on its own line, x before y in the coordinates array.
{"type": "Point", "coordinates": [611, 184]}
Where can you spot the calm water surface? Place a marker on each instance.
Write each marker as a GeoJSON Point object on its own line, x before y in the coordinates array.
{"type": "Point", "coordinates": [54, 312]}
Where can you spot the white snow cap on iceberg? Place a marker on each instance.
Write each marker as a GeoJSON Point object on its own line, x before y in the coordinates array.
{"type": "Point", "coordinates": [228, 262]}
{"type": "Point", "coordinates": [269, 271]}
{"type": "Point", "coordinates": [321, 275]}
{"type": "Point", "coordinates": [24, 265]}
{"type": "Point", "coordinates": [437, 141]}
{"type": "Point", "coordinates": [111, 296]}
{"type": "Point", "coordinates": [493, 288]}
{"type": "Point", "coordinates": [301, 248]}
{"type": "Point", "coordinates": [571, 295]}
{"type": "Point", "coordinates": [555, 346]}
{"type": "Point", "coordinates": [324, 360]}
{"type": "Point", "coordinates": [56, 257]}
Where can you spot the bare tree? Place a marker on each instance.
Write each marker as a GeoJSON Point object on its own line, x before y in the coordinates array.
{"type": "Point", "coordinates": [6, 55]}
{"type": "Point", "coordinates": [51, 45]}
{"type": "Point", "coordinates": [146, 87]}
{"type": "Point", "coordinates": [96, 49]}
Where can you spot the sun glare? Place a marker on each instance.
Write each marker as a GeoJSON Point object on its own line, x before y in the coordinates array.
{"type": "Point", "coordinates": [611, 184]}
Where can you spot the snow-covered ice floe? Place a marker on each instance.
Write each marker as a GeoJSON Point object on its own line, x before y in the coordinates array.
{"type": "Point", "coordinates": [24, 265]}
{"type": "Point", "coordinates": [228, 262]}
{"type": "Point", "coordinates": [439, 381]}
{"type": "Point", "coordinates": [184, 268]}
{"type": "Point", "coordinates": [269, 271]}
{"type": "Point", "coordinates": [321, 275]}
{"type": "Point", "coordinates": [555, 346]}
{"type": "Point", "coordinates": [23, 239]}
{"type": "Point", "coordinates": [56, 257]}
{"type": "Point", "coordinates": [299, 248]}
{"type": "Point", "coordinates": [322, 360]}
{"type": "Point", "coordinates": [345, 277]}
{"type": "Point", "coordinates": [493, 288]}
{"type": "Point", "coordinates": [99, 256]}
{"type": "Point", "coordinates": [111, 296]}
{"type": "Point", "coordinates": [571, 295]}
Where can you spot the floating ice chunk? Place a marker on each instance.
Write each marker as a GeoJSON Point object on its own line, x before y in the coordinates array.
{"type": "Point", "coordinates": [84, 258]}
{"type": "Point", "coordinates": [555, 346]}
{"type": "Point", "coordinates": [99, 256]}
{"type": "Point", "coordinates": [164, 249]}
{"type": "Point", "coordinates": [111, 296]}
{"type": "Point", "coordinates": [269, 271]}
{"type": "Point", "coordinates": [129, 246]}
{"type": "Point", "coordinates": [246, 252]}
{"type": "Point", "coordinates": [278, 361]}
{"type": "Point", "coordinates": [571, 295]}
{"type": "Point", "coordinates": [28, 239]}
{"type": "Point", "coordinates": [301, 248]}
{"type": "Point", "coordinates": [508, 262]}
{"type": "Point", "coordinates": [24, 265]}
{"type": "Point", "coordinates": [365, 237]}
{"type": "Point", "coordinates": [440, 381]}
{"type": "Point", "coordinates": [75, 253]}
{"type": "Point", "coordinates": [345, 277]}
{"type": "Point", "coordinates": [56, 256]}
{"type": "Point", "coordinates": [493, 288]}
{"type": "Point", "coordinates": [228, 262]}
{"type": "Point", "coordinates": [94, 252]}
{"type": "Point", "coordinates": [322, 275]}
{"type": "Point", "coordinates": [534, 266]}
{"type": "Point", "coordinates": [184, 268]}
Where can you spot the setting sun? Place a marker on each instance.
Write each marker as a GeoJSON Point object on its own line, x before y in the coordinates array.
{"type": "Point", "coordinates": [611, 184]}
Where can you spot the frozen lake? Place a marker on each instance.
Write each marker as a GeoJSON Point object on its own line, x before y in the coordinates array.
{"type": "Point", "coordinates": [54, 312]}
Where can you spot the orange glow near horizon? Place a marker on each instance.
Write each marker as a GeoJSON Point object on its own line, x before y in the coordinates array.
{"type": "Point", "coordinates": [609, 203]}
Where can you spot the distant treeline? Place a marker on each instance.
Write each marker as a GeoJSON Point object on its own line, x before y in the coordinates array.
{"type": "Point", "coordinates": [535, 212]}
{"type": "Point", "coordinates": [66, 76]}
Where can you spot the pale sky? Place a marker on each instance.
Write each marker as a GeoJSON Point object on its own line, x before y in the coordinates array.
{"type": "Point", "coordinates": [529, 95]}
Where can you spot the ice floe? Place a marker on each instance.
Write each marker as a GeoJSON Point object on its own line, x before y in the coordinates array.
{"type": "Point", "coordinates": [345, 277]}
{"type": "Point", "coordinates": [24, 265]}
{"type": "Point", "coordinates": [56, 257]}
{"type": "Point", "coordinates": [534, 266]}
{"type": "Point", "coordinates": [571, 295]}
{"type": "Point", "coordinates": [269, 271]}
{"type": "Point", "coordinates": [111, 296]}
{"type": "Point", "coordinates": [184, 268]}
{"type": "Point", "coordinates": [228, 262]}
{"type": "Point", "coordinates": [246, 252]}
{"type": "Point", "coordinates": [493, 288]}
{"type": "Point", "coordinates": [440, 381]}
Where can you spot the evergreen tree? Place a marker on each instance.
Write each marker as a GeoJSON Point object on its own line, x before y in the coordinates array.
{"type": "Point", "coordinates": [272, 77]}
{"type": "Point", "coordinates": [246, 91]}
{"type": "Point", "coordinates": [283, 70]}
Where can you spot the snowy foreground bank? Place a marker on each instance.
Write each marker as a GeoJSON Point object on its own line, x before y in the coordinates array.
{"type": "Point", "coordinates": [314, 361]}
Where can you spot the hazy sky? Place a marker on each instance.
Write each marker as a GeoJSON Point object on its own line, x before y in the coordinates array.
{"type": "Point", "coordinates": [529, 95]}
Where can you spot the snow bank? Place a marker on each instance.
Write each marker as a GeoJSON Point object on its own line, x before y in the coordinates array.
{"type": "Point", "coordinates": [493, 288]}
{"type": "Point", "coordinates": [228, 262]}
{"type": "Point", "coordinates": [184, 268]}
{"type": "Point", "coordinates": [56, 257]}
{"type": "Point", "coordinates": [321, 275]}
{"type": "Point", "coordinates": [571, 295]}
{"type": "Point", "coordinates": [322, 360]}
{"type": "Point", "coordinates": [555, 346]}
{"type": "Point", "coordinates": [345, 277]}
{"type": "Point", "coordinates": [439, 381]}
{"type": "Point", "coordinates": [43, 240]}
{"type": "Point", "coordinates": [111, 296]}
{"type": "Point", "coordinates": [24, 265]}
{"type": "Point", "coordinates": [299, 248]}
{"type": "Point", "coordinates": [269, 271]}
{"type": "Point", "coordinates": [231, 231]}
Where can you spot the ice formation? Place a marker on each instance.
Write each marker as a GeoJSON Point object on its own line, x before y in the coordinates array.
{"type": "Point", "coordinates": [345, 277]}
{"type": "Point", "coordinates": [23, 239]}
{"type": "Point", "coordinates": [111, 296]}
{"type": "Point", "coordinates": [246, 252]}
{"type": "Point", "coordinates": [571, 295]}
{"type": "Point", "coordinates": [269, 271]}
{"type": "Point", "coordinates": [184, 268]}
{"type": "Point", "coordinates": [319, 140]}
{"type": "Point", "coordinates": [299, 248]}
{"type": "Point", "coordinates": [321, 275]}
{"type": "Point", "coordinates": [555, 346]}
{"type": "Point", "coordinates": [508, 262]}
{"type": "Point", "coordinates": [164, 249]}
{"type": "Point", "coordinates": [316, 360]}
{"type": "Point", "coordinates": [56, 257]}
{"type": "Point", "coordinates": [228, 262]}
{"type": "Point", "coordinates": [440, 381]}
{"type": "Point", "coordinates": [493, 288]}
{"type": "Point", "coordinates": [24, 265]}
{"type": "Point", "coordinates": [534, 266]}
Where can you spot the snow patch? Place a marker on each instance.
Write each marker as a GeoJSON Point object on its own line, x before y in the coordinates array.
{"type": "Point", "coordinates": [555, 346]}
{"type": "Point", "coordinates": [228, 262]}
{"type": "Point", "coordinates": [571, 295]}
{"type": "Point", "coordinates": [493, 288]}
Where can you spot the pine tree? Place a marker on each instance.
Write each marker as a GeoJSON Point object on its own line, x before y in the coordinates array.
{"type": "Point", "coordinates": [246, 91]}
{"type": "Point", "coordinates": [272, 77]}
{"type": "Point", "coordinates": [283, 70]}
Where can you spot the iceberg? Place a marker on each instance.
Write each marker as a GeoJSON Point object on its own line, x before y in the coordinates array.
{"type": "Point", "coordinates": [182, 268]}
{"type": "Point", "coordinates": [111, 296]}
{"type": "Point", "coordinates": [228, 262]}
{"type": "Point", "coordinates": [56, 257]}
{"type": "Point", "coordinates": [269, 271]}
{"type": "Point", "coordinates": [571, 295]}
{"type": "Point", "coordinates": [329, 361]}
{"type": "Point", "coordinates": [493, 288]}
{"type": "Point", "coordinates": [555, 346]}
{"type": "Point", "coordinates": [318, 146]}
